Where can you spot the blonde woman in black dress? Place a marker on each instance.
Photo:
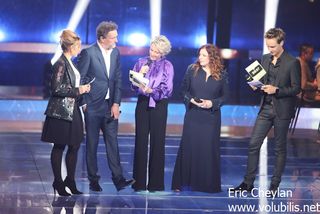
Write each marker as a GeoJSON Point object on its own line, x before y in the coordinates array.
{"type": "Point", "coordinates": [205, 88]}
{"type": "Point", "coordinates": [63, 124]}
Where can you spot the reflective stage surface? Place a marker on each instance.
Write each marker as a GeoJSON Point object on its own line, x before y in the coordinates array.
{"type": "Point", "coordinates": [26, 176]}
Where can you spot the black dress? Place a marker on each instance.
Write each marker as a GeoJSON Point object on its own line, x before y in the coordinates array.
{"type": "Point", "coordinates": [197, 165]}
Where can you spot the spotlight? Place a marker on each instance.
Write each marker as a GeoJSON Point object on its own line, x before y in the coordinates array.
{"type": "Point", "coordinates": [77, 13]}
{"type": "Point", "coordinates": [270, 17]}
{"type": "Point", "coordinates": [2, 36]}
{"type": "Point", "coordinates": [155, 17]}
{"type": "Point", "coordinates": [200, 40]}
{"type": "Point", "coordinates": [137, 39]}
{"type": "Point", "coordinates": [228, 53]}
{"type": "Point", "coordinates": [55, 37]}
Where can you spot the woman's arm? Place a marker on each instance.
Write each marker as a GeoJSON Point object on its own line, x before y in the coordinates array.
{"type": "Point", "coordinates": [60, 83]}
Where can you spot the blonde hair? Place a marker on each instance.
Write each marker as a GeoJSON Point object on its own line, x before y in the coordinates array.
{"type": "Point", "coordinates": [67, 39]}
{"type": "Point", "coordinates": [162, 43]}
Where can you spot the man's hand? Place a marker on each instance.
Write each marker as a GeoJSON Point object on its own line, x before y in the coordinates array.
{"type": "Point", "coordinates": [115, 111]}
{"type": "Point", "coordinates": [84, 107]}
{"type": "Point", "coordinates": [269, 89]}
{"type": "Point", "coordinates": [84, 88]}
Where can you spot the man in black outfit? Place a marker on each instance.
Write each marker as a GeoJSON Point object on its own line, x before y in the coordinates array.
{"type": "Point", "coordinates": [281, 85]}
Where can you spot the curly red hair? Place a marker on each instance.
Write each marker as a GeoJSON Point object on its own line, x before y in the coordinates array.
{"type": "Point", "coordinates": [215, 61]}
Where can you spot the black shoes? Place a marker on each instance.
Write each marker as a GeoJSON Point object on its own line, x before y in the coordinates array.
{"type": "Point", "coordinates": [59, 186]}
{"type": "Point", "coordinates": [94, 186]}
{"type": "Point", "coordinates": [244, 187]}
{"type": "Point", "coordinates": [122, 183]}
{"type": "Point", "coordinates": [273, 189]}
{"type": "Point", "coordinates": [71, 184]}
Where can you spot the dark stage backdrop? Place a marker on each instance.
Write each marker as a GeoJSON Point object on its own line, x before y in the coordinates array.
{"type": "Point", "coordinates": [184, 22]}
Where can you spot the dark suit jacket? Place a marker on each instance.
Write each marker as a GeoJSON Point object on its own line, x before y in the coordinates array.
{"type": "Point", "coordinates": [288, 80]}
{"type": "Point", "coordinates": [91, 65]}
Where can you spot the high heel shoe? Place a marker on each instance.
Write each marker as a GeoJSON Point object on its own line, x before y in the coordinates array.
{"type": "Point", "coordinates": [71, 184]}
{"type": "Point", "coordinates": [59, 186]}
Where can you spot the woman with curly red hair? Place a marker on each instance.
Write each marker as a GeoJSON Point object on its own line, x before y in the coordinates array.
{"type": "Point", "coordinates": [204, 88]}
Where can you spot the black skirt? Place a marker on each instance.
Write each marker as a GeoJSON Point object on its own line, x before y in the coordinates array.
{"type": "Point", "coordinates": [64, 132]}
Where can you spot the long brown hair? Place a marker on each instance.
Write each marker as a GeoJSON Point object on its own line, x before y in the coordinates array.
{"type": "Point", "coordinates": [215, 62]}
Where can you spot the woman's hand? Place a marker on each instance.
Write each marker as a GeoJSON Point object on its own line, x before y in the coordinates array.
{"type": "Point", "coordinates": [84, 88]}
{"type": "Point", "coordinates": [145, 89]}
{"type": "Point", "coordinates": [144, 69]}
{"type": "Point", "coordinates": [204, 104]}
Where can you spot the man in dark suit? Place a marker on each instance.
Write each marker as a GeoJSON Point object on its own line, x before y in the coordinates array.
{"type": "Point", "coordinates": [101, 106]}
{"type": "Point", "coordinates": [281, 86]}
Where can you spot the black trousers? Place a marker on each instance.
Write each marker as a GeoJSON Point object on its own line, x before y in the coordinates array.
{"type": "Point", "coordinates": [265, 120]}
{"type": "Point", "coordinates": [150, 122]}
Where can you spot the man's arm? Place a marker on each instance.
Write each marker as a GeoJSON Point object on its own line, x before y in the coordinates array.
{"type": "Point", "coordinates": [295, 81]}
{"type": "Point", "coordinates": [115, 110]}
{"type": "Point", "coordinates": [83, 63]}
{"type": "Point", "coordinates": [118, 81]}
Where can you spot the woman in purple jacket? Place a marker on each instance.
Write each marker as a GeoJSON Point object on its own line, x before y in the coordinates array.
{"type": "Point", "coordinates": [151, 115]}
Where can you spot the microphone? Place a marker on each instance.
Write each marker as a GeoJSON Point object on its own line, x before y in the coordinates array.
{"type": "Point", "coordinates": [149, 61]}
{"type": "Point", "coordinates": [145, 68]}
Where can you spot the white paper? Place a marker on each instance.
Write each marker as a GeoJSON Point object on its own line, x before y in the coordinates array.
{"type": "Point", "coordinates": [256, 71]}
{"type": "Point", "coordinates": [92, 80]}
{"type": "Point", "coordinates": [256, 83]}
{"type": "Point", "coordinates": [137, 79]}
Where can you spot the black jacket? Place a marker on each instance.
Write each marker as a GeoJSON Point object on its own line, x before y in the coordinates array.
{"type": "Point", "coordinates": [288, 81]}
{"type": "Point", "coordinates": [63, 91]}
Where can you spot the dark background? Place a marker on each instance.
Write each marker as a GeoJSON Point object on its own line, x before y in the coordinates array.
{"type": "Point", "coordinates": [236, 24]}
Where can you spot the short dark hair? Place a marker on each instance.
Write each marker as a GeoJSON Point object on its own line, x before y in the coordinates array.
{"type": "Point", "coordinates": [304, 48]}
{"type": "Point", "coordinates": [275, 33]}
{"type": "Point", "coordinates": [105, 27]}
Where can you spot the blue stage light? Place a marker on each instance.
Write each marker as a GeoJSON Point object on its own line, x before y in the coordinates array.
{"type": "Point", "coordinates": [2, 36]}
{"type": "Point", "coordinates": [78, 11]}
{"type": "Point", "coordinates": [200, 40]}
{"type": "Point", "coordinates": [155, 17]}
{"type": "Point", "coordinates": [270, 17]}
{"type": "Point", "coordinates": [55, 37]}
{"type": "Point", "coordinates": [137, 39]}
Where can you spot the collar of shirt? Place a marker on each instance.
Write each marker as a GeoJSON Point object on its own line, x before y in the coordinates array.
{"type": "Point", "coordinates": [106, 56]}
{"type": "Point", "coordinates": [278, 60]}
{"type": "Point", "coordinates": [104, 51]}
{"type": "Point", "coordinates": [76, 73]}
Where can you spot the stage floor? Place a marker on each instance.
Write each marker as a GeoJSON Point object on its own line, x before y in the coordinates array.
{"type": "Point", "coordinates": [26, 176]}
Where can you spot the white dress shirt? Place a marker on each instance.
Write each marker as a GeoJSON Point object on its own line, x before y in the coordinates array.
{"type": "Point", "coordinates": [76, 73]}
{"type": "Point", "coordinates": [106, 56]}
